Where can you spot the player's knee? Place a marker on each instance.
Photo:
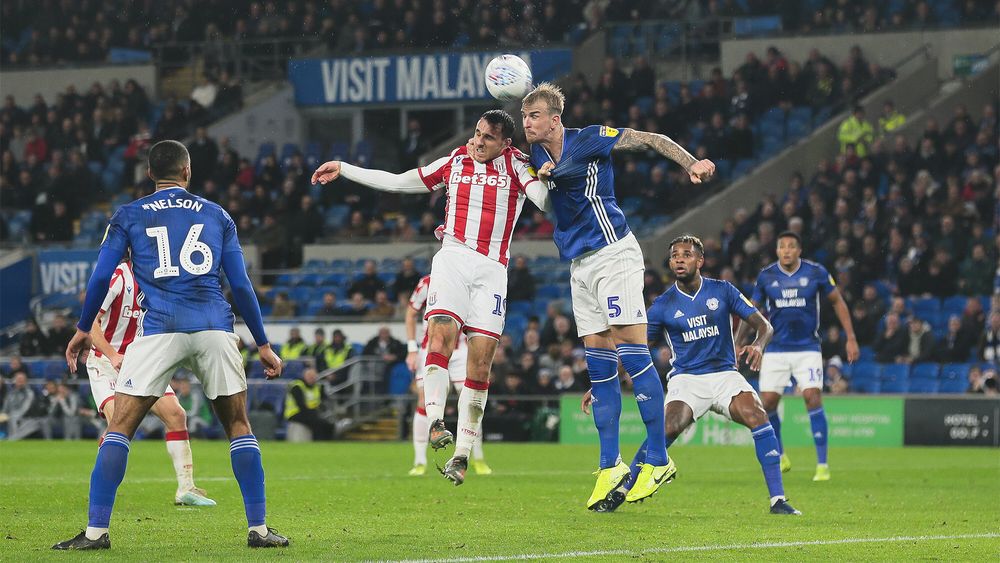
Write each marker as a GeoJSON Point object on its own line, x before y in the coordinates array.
{"type": "Point", "coordinates": [814, 399]}
{"type": "Point", "coordinates": [753, 415]}
{"type": "Point", "coordinates": [675, 424]}
{"type": "Point", "coordinates": [174, 418]}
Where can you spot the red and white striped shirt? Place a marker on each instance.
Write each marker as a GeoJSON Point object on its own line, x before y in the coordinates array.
{"type": "Point", "coordinates": [418, 301]}
{"type": "Point", "coordinates": [120, 310]}
{"type": "Point", "coordinates": [484, 199]}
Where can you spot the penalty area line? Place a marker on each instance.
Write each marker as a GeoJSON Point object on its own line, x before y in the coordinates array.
{"type": "Point", "coordinates": [694, 548]}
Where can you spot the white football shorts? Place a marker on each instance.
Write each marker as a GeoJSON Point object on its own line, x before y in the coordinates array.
{"type": "Point", "coordinates": [211, 355]}
{"type": "Point", "coordinates": [777, 369]}
{"type": "Point", "coordinates": [606, 285]}
{"type": "Point", "coordinates": [711, 391]}
{"type": "Point", "coordinates": [456, 366]}
{"type": "Point", "coordinates": [470, 288]}
{"type": "Point", "coordinates": [102, 381]}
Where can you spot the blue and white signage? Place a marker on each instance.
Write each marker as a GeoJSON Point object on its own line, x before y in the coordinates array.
{"type": "Point", "coordinates": [409, 78]}
{"type": "Point", "coordinates": [63, 274]}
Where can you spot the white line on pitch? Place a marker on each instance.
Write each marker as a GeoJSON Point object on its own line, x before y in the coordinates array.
{"type": "Point", "coordinates": [690, 548]}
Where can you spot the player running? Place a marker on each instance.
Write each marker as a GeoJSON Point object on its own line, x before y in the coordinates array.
{"type": "Point", "coordinates": [695, 314]}
{"type": "Point", "coordinates": [180, 245]}
{"type": "Point", "coordinates": [606, 275]}
{"type": "Point", "coordinates": [487, 182]}
{"type": "Point", "coordinates": [114, 329]}
{"type": "Point", "coordinates": [790, 292]}
{"type": "Point", "coordinates": [415, 359]}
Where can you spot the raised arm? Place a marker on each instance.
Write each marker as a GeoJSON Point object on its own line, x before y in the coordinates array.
{"type": "Point", "coordinates": [407, 182]}
{"type": "Point", "coordinates": [635, 140]}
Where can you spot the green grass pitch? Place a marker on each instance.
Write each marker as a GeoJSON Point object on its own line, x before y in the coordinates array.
{"type": "Point", "coordinates": [354, 501]}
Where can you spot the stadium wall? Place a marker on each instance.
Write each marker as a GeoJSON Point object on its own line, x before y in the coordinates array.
{"type": "Point", "coordinates": [379, 251]}
{"type": "Point", "coordinates": [275, 119]}
{"type": "Point", "coordinates": [24, 84]}
{"type": "Point", "coordinates": [882, 48]}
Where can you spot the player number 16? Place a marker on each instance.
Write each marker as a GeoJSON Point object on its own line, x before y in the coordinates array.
{"type": "Point", "coordinates": [190, 246]}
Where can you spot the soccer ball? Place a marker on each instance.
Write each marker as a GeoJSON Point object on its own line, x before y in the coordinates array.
{"type": "Point", "coordinates": [508, 78]}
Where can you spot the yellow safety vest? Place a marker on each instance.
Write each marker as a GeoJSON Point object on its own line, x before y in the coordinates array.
{"type": "Point", "coordinates": [311, 394]}
{"type": "Point", "coordinates": [293, 351]}
{"type": "Point", "coordinates": [857, 132]}
{"type": "Point", "coordinates": [895, 121]}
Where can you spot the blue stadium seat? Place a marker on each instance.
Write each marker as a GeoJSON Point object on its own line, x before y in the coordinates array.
{"type": "Point", "coordinates": [399, 379]}
{"type": "Point", "coordinates": [924, 385]}
{"type": "Point", "coordinates": [953, 305]}
{"type": "Point", "coordinates": [515, 326]}
{"type": "Point", "coordinates": [867, 354]}
{"type": "Point", "coordinates": [895, 386]}
{"type": "Point", "coordinates": [743, 166]}
{"type": "Point", "coordinates": [924, 307]}
{"type": "Point", "coordinates": [293, 369]}
{"type": "Point", "coordinates": [358, 348]}
{"type": "Point", "coordinates": [866, 385]}
{"type": "Point", "coordinates": [549, 291]}
{"type": "Point", "coordinates": [894, 372]}
{"type": "Point", "coordinates": [864, 370]}
{"type": "Point", "coordinates": [956, 372]}
{"type": "Point", "coordinates": [953, 386]}
{"type": "Point", "coordinates": [338, 151]}
{"type": "Point", "coordinates": [926, 370]}
{"type": "Point", "coordinates": [522, 308]}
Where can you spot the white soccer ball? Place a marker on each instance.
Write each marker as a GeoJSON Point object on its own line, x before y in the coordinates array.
{"type": "Point", "coordinates": [508, 78]}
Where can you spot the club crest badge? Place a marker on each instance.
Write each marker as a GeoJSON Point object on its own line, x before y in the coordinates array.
{"type": "Point", "coordinates": [712, 303]}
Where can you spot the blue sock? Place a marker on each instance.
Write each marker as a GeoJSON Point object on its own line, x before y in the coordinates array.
{"type": "Point", "coordinates": [766, 445]}
{"type": "Point", "coordinates": [817, 419]}
{"type": "Point", "coordinates": [776, 424]}
{"type": "Point", "coordinates": [109, 470]}
{"type": "Point", "coordinates": [649, 395]}
{"type": "Point", "coordinates": [640, 457]}
{"type": "Point", "coordinates": [607, 406]}
{"type": "Point", "coordinates": [245, 454]}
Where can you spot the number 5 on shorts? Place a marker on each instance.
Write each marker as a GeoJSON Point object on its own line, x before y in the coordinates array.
{"type": "Point", "coordinates": [614, 310]}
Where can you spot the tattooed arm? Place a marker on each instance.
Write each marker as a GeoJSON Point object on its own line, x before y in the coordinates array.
{"type": "Point", "coordinates": [634, 140]}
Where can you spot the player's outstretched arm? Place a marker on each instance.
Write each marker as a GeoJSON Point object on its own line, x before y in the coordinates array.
{"type": "Point", "coordinates": [407, 182]}
{"type": "Point", "coordinates": [635, 140]}
{"type": "Point", "coordinates": [97, 288]}
{"type": "Point", "coordinates": [102, 344]}
{"type": "Point", "coordinates": [246, 301]}
{"type": "Point", "coordinates": [754, 351]}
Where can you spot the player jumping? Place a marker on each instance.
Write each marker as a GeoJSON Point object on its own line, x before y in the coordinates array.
{"type": "Point", "coordinates": [180, 245]}
{"type": "Point", "coordinates": [113, 330]}
{"type": "Point", "coordinates": [606, 276]}
{"type": "Point", "coordinates": [789, 291]}
{"type": "Point", "coordinates": [415, 359]}
{"type": "Point", "coordinates": [487, 182]}
{"type": "Point", "coordinates": [695, 315]}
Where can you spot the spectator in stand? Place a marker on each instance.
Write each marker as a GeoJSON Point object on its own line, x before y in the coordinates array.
{"type": "Point", "coordinates": [892, 345]}
{"type": "Point", "coordinates": [368, 283]}
{"type": "Point", "coordinates": [406, 279]}
{"type": "Point", "coordinates": [59, 334]}
{"type": "Point", "coordinates": [521, 283]}
{"type": "Point", "coordinates": [412, 146]}
{"type": "Point", "coordinates": [989, 342]}
{"type": "Point", "coordinates": [955, 345]}
{"type": "Point", "coordinates": [857, 132]}
{"type": "Point", "coordinates": [303, 403]}
{"type": "Point", "coordinates": [976, 272]}
{"type": "Point", "coordinates": [833, 346]}
{"type": "Point", "coordinates": [920, 342]}
{"type": "Point", "coordinates": [33, 341]}
{"type": "Point", "coordinates": [558, 329]}
{"type": "Point", "coordinates": [19, 410]}
{"type": "Point", "coordinates": [272, 242]}
{"type": "Point", "coordinates": [283, 307]}
{"type": "Point", "coordinates": [890, 121]}
{"type": "Point", "coordinates": [382, 308]}
{"type": "Point", "coordinates": [64, 411]}
{"type": "Point", "coordinates": [295, 347]}
{"type": "Point", "coordinates": [356, 307]}
{"type": "Point", "coordinates": [340, 350]}
{"type": "Point", "coordinates": [566, 381]}
{"type": "Point", "coordinates": [330, 307]}
{"type": "Point", "coordinates": [14, 367]}
{"type": "Point", "coordinates": [833, 380]}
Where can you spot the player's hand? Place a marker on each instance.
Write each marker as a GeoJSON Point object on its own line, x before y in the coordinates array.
{"type": "Point", "coordinates": [701, 171]}
{"type": "Point", "coordinates": [327, 172]}
{"type": "Point", "coordinates": [411, 361]}
{"type": "Point", "coordinates": [588, 398]}
{"type": "Point", "coordinates": [753, 355]}
{"type": "Point", "coordinates": [77, 349]}
{"type": "Point", "coordinates": [116, 361]}
{"type": "Point", "coordinates": [271, 361]}
{"type": "Point", "coordinates": [545, 171]}
{"type": "Point", "coordinates": [853, 352]}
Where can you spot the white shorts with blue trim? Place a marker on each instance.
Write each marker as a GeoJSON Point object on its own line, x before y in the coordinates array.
{"type": "Point", "coordinates": [151, 361]}
{"type": "Point", "coordinates": [606, 286]}
{"type": "Point", "coordinates": [711, 391]}
{"type": "Point", "coordinates": [778, 368]}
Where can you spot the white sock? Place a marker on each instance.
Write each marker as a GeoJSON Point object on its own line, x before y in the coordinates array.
{"type": "Point", "coordinates": [435, 391]}
{"type": "Point", "coordinates": [471, 406]}
{"type": "Point", "coordinates": [477, 446]}
{"type": "Point", "coordinates": [262, 530]}
{"type": "Point", "coordinates": [180, 454]}
{"type": "Point", "coordinates": [421, 427]}
{"type": "Point", "coordinates": [95, 533]}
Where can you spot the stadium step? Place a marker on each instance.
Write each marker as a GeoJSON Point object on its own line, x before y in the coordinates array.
{"type": "Point", "coordinates": [383, 429]}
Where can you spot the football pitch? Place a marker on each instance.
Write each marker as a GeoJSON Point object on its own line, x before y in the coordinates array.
{"type": "Point", "coordinates": [354, 501]}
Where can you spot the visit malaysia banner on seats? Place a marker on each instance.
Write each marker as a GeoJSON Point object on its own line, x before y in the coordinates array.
{"type": "Point", "coordinates": [63, 274]}
{"type": "Point", "coordinates": [394, 79]}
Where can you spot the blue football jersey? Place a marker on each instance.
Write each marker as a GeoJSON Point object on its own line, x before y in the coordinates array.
{"type": "Point", "coordinates": [178, 240]}
{"type": "Point", "coordinates": [582, 192]}
{"type": "Point", "coordinates": [792, 303]}
{"type": "Point", "coordinates": [699, 327]}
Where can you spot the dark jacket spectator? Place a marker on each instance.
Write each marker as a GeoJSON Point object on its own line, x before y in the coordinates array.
{"type": "Point", "coordinates": [521, 283]}
{"type": "Point", "coordinates": [33, 341]}
{"type": "Point", "coordinates": [892, 345]}
{"type": "Point", "coordinates": [956, 344]}
{"type": "Point", "coordinates": [367, 284]}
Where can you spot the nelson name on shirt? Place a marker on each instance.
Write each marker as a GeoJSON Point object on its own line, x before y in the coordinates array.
{"type": "Point", "coordinates": [171, 203]}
